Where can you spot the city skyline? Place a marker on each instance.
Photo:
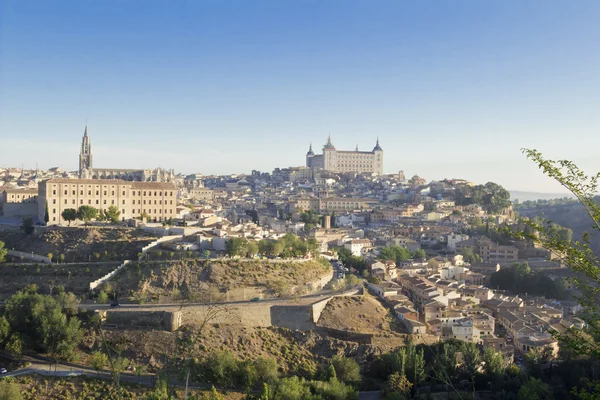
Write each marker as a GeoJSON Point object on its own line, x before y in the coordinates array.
{"type": "Point", "coordinates": [450, 90]}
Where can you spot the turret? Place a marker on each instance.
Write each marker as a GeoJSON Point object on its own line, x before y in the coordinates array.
{"type": "Point", "coordinates": [378, 161]}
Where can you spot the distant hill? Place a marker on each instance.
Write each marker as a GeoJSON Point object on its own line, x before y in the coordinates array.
{"type": "Point", "coordinates": [571, 216]}
{"type": "Point", "coordinates": [525, 196]}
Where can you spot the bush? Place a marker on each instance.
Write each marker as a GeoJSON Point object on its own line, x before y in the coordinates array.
{"type": "Point", "coordinates": [346, 369]}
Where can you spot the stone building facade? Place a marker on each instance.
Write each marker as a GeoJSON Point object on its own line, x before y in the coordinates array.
{"type": "Point", "coordinates": [18, 202]}
{"type": "Point", "coordinates": [156, 200]}
{"type": "Point", "coordinates": [334, 160]}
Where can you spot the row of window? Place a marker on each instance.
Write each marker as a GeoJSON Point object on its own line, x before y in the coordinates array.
{"type": "Point", "coordinates": [159, 211]}
{"type": "Point", "coordinates": [113, 193]}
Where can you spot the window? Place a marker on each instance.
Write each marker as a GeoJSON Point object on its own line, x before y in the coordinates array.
{"type": "Point", "coordinates": [89, 201]}
{"type": "Point", "coordinates": [81, 192]}
{"type": "Point", "coordinates": [65, 201]}
{"type": "Point", "coordinates": [53, 201]}
{"type": "Point", "coordinates": [89, 192]}
{"type": "Point", "coordinates": [104, 201]}
{"type": "Point", "coordinates": [123, 211]}
{"type": "Point", "coordinates": [105, 192]}
{"type": "Point", "coordinates": [123, 193]}
{"type": "Point", "coordinates": [144, 192]}
{"type": "Point", "coordinates": [81, 201]}
{"type": "Point", "coordinates": [73, 201]}
{"type": "Point", "coordinates": [66, 192]}
{"type": "Point", "coordinates": [112, 202]}
{"type": "Point", "coordinates": [54, 211]}
{"type": "Point", "coordinates": [53, 218]}
{"type": "Point", "coordinates": [97, 201]}
{"type": "Point", "coordinates": [54, 192]}
{"type": "Point", "coordinates": [113, 193]}
{"type": "Point", "coordinates": [97, 192]}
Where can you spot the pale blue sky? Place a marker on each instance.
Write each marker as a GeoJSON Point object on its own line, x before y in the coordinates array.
{"type": "Point", "coordinates": [452, 88]}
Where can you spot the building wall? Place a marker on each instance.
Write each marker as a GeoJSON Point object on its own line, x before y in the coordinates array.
{"type": "Point", "coordinates": [157, 200]}
{"type": "Point", "coordinates": [348, 161]}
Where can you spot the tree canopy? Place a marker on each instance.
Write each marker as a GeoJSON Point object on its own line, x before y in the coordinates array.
{"type": "Point", "coordinates": [86, 213]}
{"type": "Point", "coordinates": [69, 215]}
{"type": "Point", "coordinates": [491, 196]}
{"type": "Point", "coordinates": [32, 321]}
{"type": "Point", "coordinates": [520, 279]}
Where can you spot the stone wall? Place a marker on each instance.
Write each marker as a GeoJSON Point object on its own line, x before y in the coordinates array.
{"type": "Point", "coordinates": [29, 256]}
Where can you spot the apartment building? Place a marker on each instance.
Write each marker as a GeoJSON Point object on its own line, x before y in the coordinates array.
{"type": "Point", "coordinates": [156, 200]}
{"type": "Point", "coordinates": [489, 251]}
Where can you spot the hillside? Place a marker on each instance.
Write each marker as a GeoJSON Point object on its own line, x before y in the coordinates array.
{"type": "Point", "coordinates": [226, 279]}
{"type": "Point", "coordinates": [296, 352]}
{"type": "Point", "coordinates": [572, 216]}
{"type": "Point", "coordinates": [80, 244]}
{"type": "Point", "coordinates": [73, 278]}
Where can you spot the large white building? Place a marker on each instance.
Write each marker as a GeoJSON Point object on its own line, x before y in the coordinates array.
{"type": "Point", "coordinates": [157, 201]}
{"type": "Point", "coordinates": [346, 161]}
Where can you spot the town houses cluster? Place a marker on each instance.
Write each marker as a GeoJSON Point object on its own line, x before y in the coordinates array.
{"type": "Point", "coordinates": [342, 200]}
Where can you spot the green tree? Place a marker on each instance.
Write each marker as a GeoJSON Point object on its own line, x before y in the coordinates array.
{"type": "Point", "coordinates": [235, 246]}
{"type": "Point", "coordinates": [10, 390]}
{"type": "Point", "coordinates": [399, 383]}
{"type": "Point", "coordinates": [3, 252]}
{"type": "Point", "coordinates": [102, 297]}
{"type": "Point", "coordinates": [27, 225]}
{"type": "Point", "coordinates": [334, 389]}
{"type": "Point", "coordinates": [419, 254]}
{"type": "Point", "coordinates": [68, 302]}
{"type": "Point", "coordinates": [494, 362]}
{"type": "Point", "coordinates": [86, 214]}
{"type": "Point", "coordinates": [394, 253]}
{"type": "Point", "coordinates": [4, 330]}
{"type": "Point", "coordinates": [46, 214]}
{"type": "Point", "coordinates": [346, 369]}
{"type": "Point", "coordinates": [42, 324]}
{"type": "Point", "coordinates": [469, 256]}
{"type": "Point", "coordinates": [112, 215]}
{"type": "Point", "coordinates": [98, 361]}
{"type": "Point", "coordinates": [251, 249]}
{"type": "Point", "coordinates": [534, 389]}
{"type": "Point", "coordinates": [69, 215]}
{"type": "Point", "coordinates": [266, 369]}
{"type": "Point", "coordinates": [292, 388]}
{"type": "Point", "coordinates": [270, 247]}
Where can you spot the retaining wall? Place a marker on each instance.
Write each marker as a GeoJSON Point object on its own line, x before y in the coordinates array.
{"type": "Point", "coordinates": [99, 281]}
{"type": "Point", "coordinates": [29, 256]}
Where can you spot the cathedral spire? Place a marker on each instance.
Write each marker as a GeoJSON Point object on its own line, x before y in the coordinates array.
{"type": "Point", "coordinates": [377, 146]}
{"type": "Point", "coordinates": [329, 145]}
{"type": "Point", "coordinates": [357, 147]}
{"type": "Point", "coordinates": [310, 150]}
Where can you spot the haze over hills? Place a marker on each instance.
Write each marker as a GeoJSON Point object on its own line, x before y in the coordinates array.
{"type": "Point", "coordinates": [525, 196]}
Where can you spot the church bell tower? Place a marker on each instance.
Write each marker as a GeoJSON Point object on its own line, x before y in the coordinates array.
{"type": "Point", "coordinates": [85, 155]}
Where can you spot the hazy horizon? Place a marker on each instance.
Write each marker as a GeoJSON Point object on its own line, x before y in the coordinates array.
{"type": "Point", "coordinates": [452, 90]}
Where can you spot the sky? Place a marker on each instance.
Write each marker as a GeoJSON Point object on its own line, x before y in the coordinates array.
{"type": "Point", "coordinates": [453, 89]}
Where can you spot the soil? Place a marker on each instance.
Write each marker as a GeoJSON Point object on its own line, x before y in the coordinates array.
{"type": "Point", "coordinates": [151, 281]}
{"type": "Point", "coordinates": [361, 314]}
{"type": "Point", "coordinates": [80, 244]}
{"type": "Point", "coordinates": [296, 352]}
